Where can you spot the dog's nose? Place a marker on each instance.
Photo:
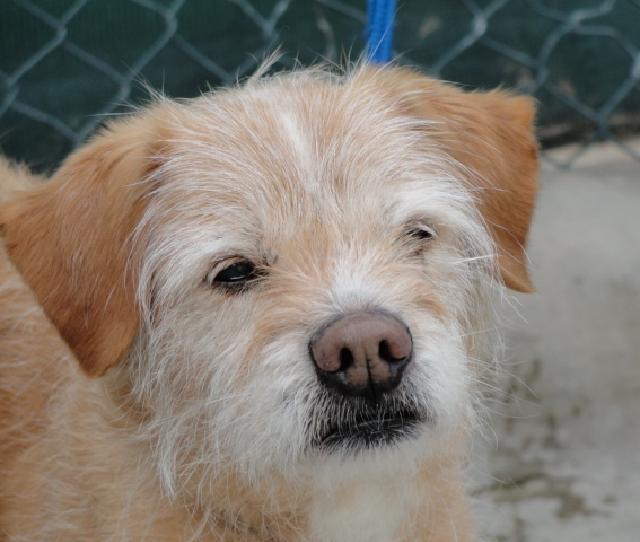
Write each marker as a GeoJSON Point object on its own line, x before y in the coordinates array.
{"type": "Point", "coordinates": [362, 353]}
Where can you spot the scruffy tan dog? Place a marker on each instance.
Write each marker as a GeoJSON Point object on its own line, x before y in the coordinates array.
{"type": "Point", "coordinates": [261, 314]}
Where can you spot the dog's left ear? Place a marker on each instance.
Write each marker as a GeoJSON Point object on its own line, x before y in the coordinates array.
{"type": "Point", "coordinates": [491, 135]}
{"type": "Point", "coordinates": [70, 239]}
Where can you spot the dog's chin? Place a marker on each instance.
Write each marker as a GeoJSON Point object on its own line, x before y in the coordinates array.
{"type": "Point", "coordinates": [368, 428]}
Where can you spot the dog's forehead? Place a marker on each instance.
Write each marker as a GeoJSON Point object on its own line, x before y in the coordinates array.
{"type": "Point", "coordinates": [283, 150]}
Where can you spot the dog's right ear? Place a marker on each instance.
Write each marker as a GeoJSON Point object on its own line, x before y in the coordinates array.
{"type": "Point", "coordinates": [70, 239]}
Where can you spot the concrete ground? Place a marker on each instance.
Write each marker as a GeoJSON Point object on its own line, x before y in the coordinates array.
{"type": "Point", "coordinates": [565, 464]}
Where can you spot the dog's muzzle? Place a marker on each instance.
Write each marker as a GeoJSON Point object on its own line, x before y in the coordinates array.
{"type": "Point", "coordinates": [360, 360]}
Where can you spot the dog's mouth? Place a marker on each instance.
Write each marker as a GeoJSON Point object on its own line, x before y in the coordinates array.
{"type": "Point", "coordinates": [370, 428]}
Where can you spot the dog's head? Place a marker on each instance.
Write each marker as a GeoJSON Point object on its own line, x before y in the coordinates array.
{"type": "Point", "coordinates": [290, 271]}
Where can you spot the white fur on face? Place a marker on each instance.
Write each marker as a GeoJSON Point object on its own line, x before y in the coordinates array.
{"type": "Point", "coordinates": [319, 182]}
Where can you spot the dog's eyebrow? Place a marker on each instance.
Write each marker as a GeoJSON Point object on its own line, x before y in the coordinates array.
{"type": "Point", "coordinates": [449, 204]}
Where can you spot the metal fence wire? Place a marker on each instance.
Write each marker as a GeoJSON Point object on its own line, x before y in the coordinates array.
{"type": "Point", "coordinates": [67, 64]}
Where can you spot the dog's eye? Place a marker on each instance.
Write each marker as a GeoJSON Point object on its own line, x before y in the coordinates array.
{"type": "Point", "coordinates": [422, 232]}
{"type": "Point", "coordinates": [235, 274]}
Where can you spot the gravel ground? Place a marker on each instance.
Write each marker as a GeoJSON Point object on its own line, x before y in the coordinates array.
{"type": "Point", "coordinates": [565, 463]}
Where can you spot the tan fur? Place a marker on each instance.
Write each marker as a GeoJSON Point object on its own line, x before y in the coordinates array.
{"type": "Point", "coordinates": [15, 179]}
{"type": "Point", "coordinates": [490, 133]}
{"type": "Point", "coordinates": [76, 459]}
{"type": "Point", "coordinates": [94, 195]}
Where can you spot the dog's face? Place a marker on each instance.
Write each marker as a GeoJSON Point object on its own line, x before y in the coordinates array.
{"type": "Point", "coordinates": [292, 271]}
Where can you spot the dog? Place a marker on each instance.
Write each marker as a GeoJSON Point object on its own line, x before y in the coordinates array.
{"type": "Point", "coordinates": [261, 314]}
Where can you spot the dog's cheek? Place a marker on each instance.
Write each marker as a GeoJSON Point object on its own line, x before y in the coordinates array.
{"type": "Point", "coordinates": [280, 394]}
{"type": "Point", "coordinates": [188, 371]}
{"type": "Point", "coordinates": [435, 304]}
{"type": "Point", "coordinates": [440, 377]}
{"type": "Point", "coordinates": [249, 385]}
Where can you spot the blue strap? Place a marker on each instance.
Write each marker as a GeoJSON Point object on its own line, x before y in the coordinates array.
{"type": "Point", "coordinates": [380, 30]}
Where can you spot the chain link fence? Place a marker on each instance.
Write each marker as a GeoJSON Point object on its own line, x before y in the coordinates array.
{"type": "Point", "coordinates": [65, 65]}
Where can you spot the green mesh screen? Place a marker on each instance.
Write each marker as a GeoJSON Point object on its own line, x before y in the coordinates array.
{"type": "Point", "coordinates": [66, 64]}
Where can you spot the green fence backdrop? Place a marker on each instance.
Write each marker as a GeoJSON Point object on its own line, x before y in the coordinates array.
{"type": "Point", "coordinates": [66, 64]}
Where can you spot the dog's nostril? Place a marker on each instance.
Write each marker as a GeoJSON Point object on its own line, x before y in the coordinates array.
{"type": "Point", "coordinates": [384, 352]}
{"type": "Point", "coordinates": [346, 359]}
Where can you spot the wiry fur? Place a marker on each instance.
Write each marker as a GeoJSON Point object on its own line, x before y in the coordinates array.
{"type": "Point", "coordinates": [205, 429]}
